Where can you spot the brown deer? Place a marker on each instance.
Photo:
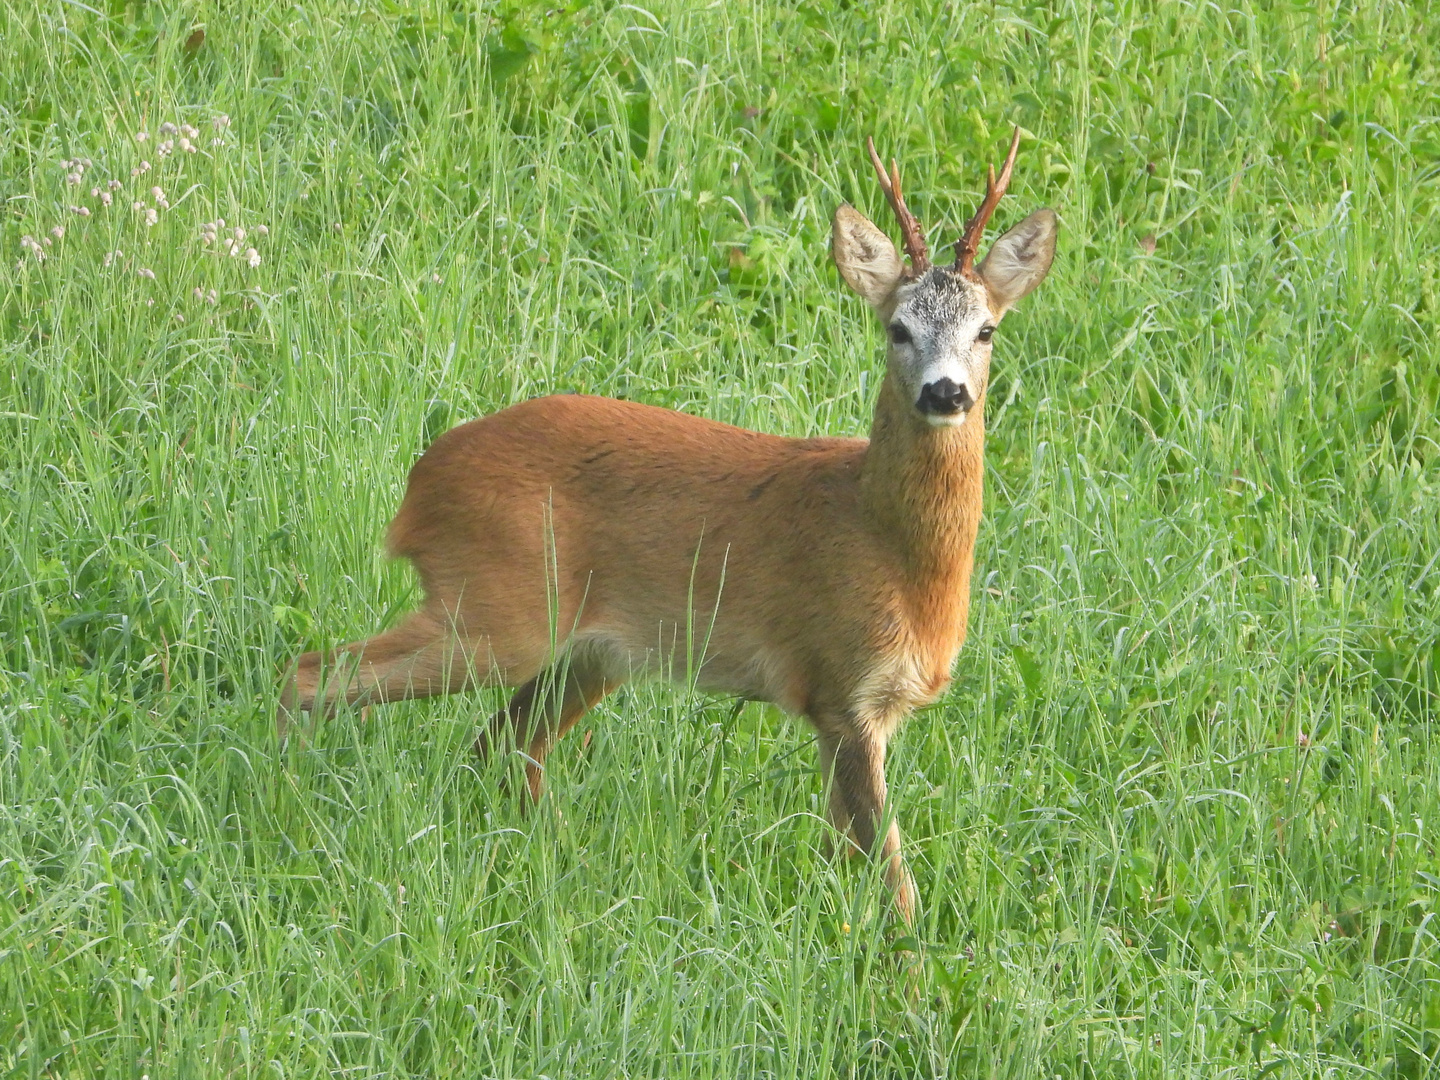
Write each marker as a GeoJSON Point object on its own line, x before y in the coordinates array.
{"type": "Point", "coordinates": [569, 544]}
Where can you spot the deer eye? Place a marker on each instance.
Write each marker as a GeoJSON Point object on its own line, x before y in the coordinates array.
{"type": "Point", "coordinates": [899, 335]}
{"type": "Point", "coordinates": [986, 333]}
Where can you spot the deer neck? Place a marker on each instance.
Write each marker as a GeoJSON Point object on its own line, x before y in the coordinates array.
{"type": "Point", "coordinates": [921, 488]}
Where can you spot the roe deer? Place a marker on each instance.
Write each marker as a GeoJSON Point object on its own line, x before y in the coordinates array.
{"type": "Point", "coordinates": [570, 543]}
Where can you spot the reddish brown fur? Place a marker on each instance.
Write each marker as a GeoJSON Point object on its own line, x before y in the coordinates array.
{"type": "Point", "coordinates": [845, 568]}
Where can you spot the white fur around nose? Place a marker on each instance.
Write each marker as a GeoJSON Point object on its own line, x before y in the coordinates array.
{"type": "Point", "coordinates": [958, 374]}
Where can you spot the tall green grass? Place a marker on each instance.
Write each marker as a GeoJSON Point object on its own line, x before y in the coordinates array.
{"type": "Point", "coordinates": [1178, 815]}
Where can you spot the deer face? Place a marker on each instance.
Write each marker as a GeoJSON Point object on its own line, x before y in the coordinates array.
{"type": "Point", "coordinates": [939, 345]}
{"type": "Point", "coordinates": [940, 322]}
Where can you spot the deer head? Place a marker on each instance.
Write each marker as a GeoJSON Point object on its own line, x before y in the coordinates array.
{"type": "Point", "coordinates": [940, 319]}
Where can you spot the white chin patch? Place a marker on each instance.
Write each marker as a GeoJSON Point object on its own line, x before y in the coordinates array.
{"type": "Point", "coordinates": [955, 421]}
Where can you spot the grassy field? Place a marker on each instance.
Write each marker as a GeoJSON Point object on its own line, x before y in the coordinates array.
{"type": "Point", "coordinates": [1176, 818]}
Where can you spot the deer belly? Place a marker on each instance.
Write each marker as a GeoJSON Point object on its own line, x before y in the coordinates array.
{"type": "Point", "coordinates": [671, 654]}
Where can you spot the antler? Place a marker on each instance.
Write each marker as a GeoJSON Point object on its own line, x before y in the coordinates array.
{"type": "Point", "coordinates": [968, 246]}
{"type": "Point", "coordinates": [909, 227]}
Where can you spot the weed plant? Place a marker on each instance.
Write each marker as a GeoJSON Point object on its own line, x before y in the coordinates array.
{"type": "Point", "coordinates": [1177, 816]}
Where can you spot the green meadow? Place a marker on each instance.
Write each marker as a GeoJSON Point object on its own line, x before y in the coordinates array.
{"type": "Point", "coordinates": [1178, 814]}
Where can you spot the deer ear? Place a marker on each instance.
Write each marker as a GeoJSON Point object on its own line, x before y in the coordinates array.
{"type": "Point", "coordinates": [1020, 259]}
{"type": "Point", "coordinates": [865, 256]}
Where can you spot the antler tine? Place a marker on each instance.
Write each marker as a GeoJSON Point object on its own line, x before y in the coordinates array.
{"type": "Point", "coordinates": [912, 237]}
{"type": "Point", "coordinates": [968, 246]}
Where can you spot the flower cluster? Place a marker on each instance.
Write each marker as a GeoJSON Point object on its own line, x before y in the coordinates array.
{"type": "Point", "coordinates": [75, 170]}
{"type": "Point", "coordinates": [105, 195]}
{"type": "Point", "coordinates": [147, 231]}
{"type": "Point", "coordinates": [37, 247]}
{"type": "Point", "coordinates": [232, 245]}
{"type": "Point", "coordinates": [184, 137]}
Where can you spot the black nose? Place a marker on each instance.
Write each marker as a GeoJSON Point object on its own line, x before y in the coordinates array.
{"type": "Point", "coordinates": [944, 398]}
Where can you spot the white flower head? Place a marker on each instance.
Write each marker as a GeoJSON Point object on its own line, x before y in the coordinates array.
{"type": "Point", "coordinates": [83, 211]}
{"type": "Point", "coordinates": [262, 230]}
{"type": "Point", "coordinates": [252, 257]}
{"type": "Point", "coordinates": [167, 128]}
{"type": "Point", "coordinates": [146, 273]}
{"type": "Point", "coordinates": [58, 232]}
{"type": "Point", "coordinates": [151, 217]}
{"type": "Point", "coordinates": [106, 198]}
{"type": "Point", "coordinates": [114, 185]}
{"type": "Point", "coordinates": [187, 145]}
{"type": "Point", "coordinates": [221, 122]}
{"type": "Point", "coordinates": [141, 136]}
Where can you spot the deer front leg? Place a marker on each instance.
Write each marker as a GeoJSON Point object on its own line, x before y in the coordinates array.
{"type": "Point", "coordinates": [853, 768]}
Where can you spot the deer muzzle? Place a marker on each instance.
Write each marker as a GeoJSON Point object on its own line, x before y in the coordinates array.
{"type": "Point", "coordinates": [944, 397]}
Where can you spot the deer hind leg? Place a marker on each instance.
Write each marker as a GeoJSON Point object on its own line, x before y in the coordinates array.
{"type": "Point", "coordinates": [542, 711]}
{"type": "Point", "coordinates": [421, 657]}
{"type": "Point", "coordinates": [853, 767]}
{"type": "Point", "coordinates": [836, 811]}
